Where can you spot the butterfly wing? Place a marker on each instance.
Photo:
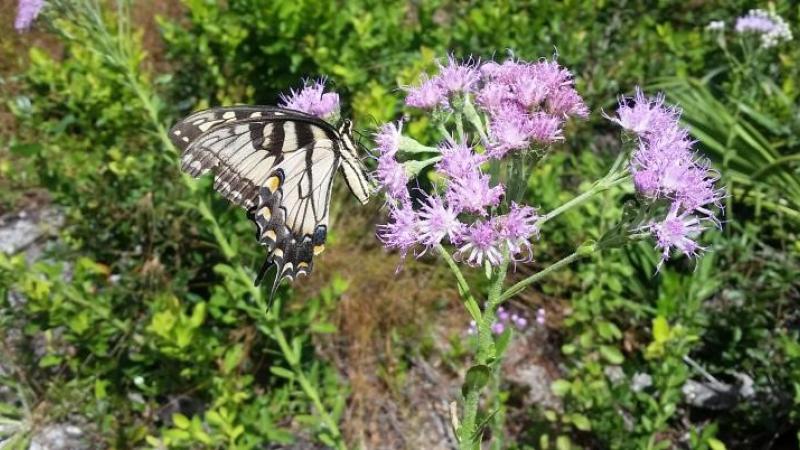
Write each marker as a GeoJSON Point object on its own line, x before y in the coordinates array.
{"type": "Point", "coordinates": [278, 164]}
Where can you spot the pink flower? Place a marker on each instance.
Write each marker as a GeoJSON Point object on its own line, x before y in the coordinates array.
{"type": "Point", "coordinates": [459, 160]}
{"type": "Point", "coordinates": [27, 12]}
{"type": "Point", "coordinates": [677, 231]}
{"type": "Point", "coordinates": [473, 194]}
{"type": "Point", "coordinates": [481, 242]}
{"type": "Point", "coordinates": [437, 221]}
{"type": "Point", "coordinates": [428, 95]}
{"type": "Point", "coordinates": [401, 232]}
{"type": "Point", "coordinates": [312, 99]}
{"type": "Point", "coordinates": [457, 77]}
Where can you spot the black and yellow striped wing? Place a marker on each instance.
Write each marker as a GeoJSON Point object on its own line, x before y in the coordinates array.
{"type": "Point", "coordinates": [278, 164]}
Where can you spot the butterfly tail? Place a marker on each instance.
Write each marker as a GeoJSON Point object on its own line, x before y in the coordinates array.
{"type": "Point", "coordinates": [263, 271]}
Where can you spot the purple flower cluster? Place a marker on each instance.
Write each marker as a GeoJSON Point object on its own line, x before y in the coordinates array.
{"type": "Point", "coordinates": [523, 104]}
{"type": "Point", "coordinates": [770, 27]}
{"type": "Point", "coordinates": [665, 169]}
{"type": "Point", "coordinates": [27, 11]}
{"type": "Point", "coordinates": [461, 216]}
{"type": "Point", "coordinates": [504, 321]}
{"type": "Point", "coordinates": [312, 99]}
{"type": "Point", "coordinates": [526, 103]}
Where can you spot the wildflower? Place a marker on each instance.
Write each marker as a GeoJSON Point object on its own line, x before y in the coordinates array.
{"type": "Point", "coordinates": [437, 221]}
{"type": "Point", "coordinates": [388, 138]}
{"type": "Point", "coordinates": [716, 25]}
{"type": "Point", "coordinates": [493, 95]}
{"type": "Point", "coordinates": [312, 99]}
{"type": "Point", "coordinates": [390, 174]}
{"type": "Point", "coordinates": [480, 242]}
{"type": "Point", "coordinates": [458, 160]}
{"type": "Point", "coordinates": [541, 316]}
{"type": "Point", "coordinates": [401, 232]}
{"type": "Point", "coordinates": [473, 328]}
{"type": "Point", "coordinates": [473, 194]}
{"type": "Point", "coordinates": [503, 315]}
{"type": "Point", "coordinates": [27, 12]}
{"type": "Point", "coordinates": [770, 27]}
{"type": "Point", "coordinates": [517, 227]}
{"type": "Point", "coordinates": [546, 128]}
{"type": "Point", "coordinates": [677, 231]}
{"type": "Point", "coordinates": [498, 328]}
{"type": "Point", "coordinates": [519, 321]}
{"type": "Point", "coordinates": [428, 95]}
{"type": "Point", "coordinates": [645, 116]}
{"type": "Point", "coordinates": [455, 77]}
{"type": "Point", "coordinates": [566, 102]}
{"type": "Point", "coordinates": [511, 129]}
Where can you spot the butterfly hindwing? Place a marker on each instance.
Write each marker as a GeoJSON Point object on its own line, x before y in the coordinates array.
{"type": "Point", "coordinates": [278, 164]}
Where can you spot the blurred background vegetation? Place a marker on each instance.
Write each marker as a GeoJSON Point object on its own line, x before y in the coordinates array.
{"type": "Point", "coordinates": [127, 313]}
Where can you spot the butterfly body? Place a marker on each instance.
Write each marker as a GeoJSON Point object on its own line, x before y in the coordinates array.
{"type": "Point", "coordinates": [278, 164]}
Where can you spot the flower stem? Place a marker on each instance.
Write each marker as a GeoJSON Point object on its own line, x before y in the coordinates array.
{"type": "Point", "coordinates": [463, 287]}
{"type": "Point", "coordinates": [471, 114]}
{"type": "Point", "coordinates": [614, 178]}
{"type": "Point", "coordinates": [486, 356]}
{"type": "Point", "coordinates": [583, 250]}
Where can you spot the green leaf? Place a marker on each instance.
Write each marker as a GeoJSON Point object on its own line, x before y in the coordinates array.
{"type": "Point", "coordinates": [232, 358]}
{"type": "Point", "coordinates": [560, 388]}
{"type": "Point", "coordinates": [323, 327]}
{"type": "Point", "coordinates": [660, 329]}
{"type": "Point", "coordinates": [581, 422]}
{"type": "Point", "coordinates": [612, 354]}
{"type": "Point", "coordinates": [716, 444]}
{"type": "Point", "coordinates": [563, 443]}
{"type": "Point", "coordinates": [180, 421]}
{"type": "Point", "coordinates": [281, 372]}
{"type": "Point", "coordinates": [477, 377]}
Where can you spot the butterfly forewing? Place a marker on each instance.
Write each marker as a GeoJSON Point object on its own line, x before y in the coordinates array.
{"type": "Point", "coordinates": [278, 164]}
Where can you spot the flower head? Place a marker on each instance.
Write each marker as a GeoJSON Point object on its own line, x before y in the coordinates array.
{"type": "Point", "coordinates": [473, 194]}
{"type": "Point", "coordinates": [677, 231]}
{"type": "Point", "coordinates": [27, 12]}
{"type": "Point", "coordinates": [517, 228]}
{"type": "Point", "coordinates": [437, 221]}
{"type": "Point", "coordinates": [457, 77]}
{"type": "Point", "coordinates": [716, 25]}
{"type": "Point", "coordinates": [312, 99]}
{"type": "Point", "coordinates": [428, 95]}
{"type": "Point", "coordinates": [644, 116]}
{"type": "Point", "coordinates": [459, 160]}
{"type": "Point", "coordinates": [770, 27]}
{"type": "Point", "coordinates": [390, 174]}
{"type": "Point", "coordinates": [481, 242]}
{"type": "Point", "coordinates": [401, 232]}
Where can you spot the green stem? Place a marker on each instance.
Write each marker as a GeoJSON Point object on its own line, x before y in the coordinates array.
{"type": "Point", "coordinates": [459, 126]}
{"type": "Point", "coordinates": [486, 356]}
{"type": "Point", "coordinates": [517, 288]}
{"type": "Point", "coordinates": [471, 114]}
{"type": "Point", "coordinates": [463, 288]}
{"type": "Point", "coordinates": [612, 179]}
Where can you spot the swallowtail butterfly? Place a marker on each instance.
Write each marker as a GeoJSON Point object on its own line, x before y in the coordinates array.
{"type": "Point", "coordinates": [279, 165]}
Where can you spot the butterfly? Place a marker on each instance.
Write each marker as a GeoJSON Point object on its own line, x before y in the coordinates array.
{"type": "Point", "coordinates": [279, 165]}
